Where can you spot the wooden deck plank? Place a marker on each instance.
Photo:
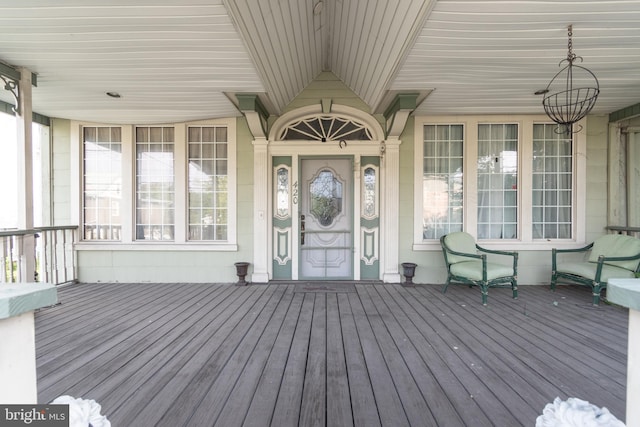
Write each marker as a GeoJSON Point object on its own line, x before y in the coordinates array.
{"type": "Point", "coordinates": [147, 350]}
{"type": "Point", "coordinates": [240, 398]}
{"type": "Point", "coordinates": [287, 408]}
{"type": "Point", "coordinates": [492, 392]}
{"type": "Point", "coordinates": [553, 356]}
{"type": "Point", "coordinates": [198, 358]}
{"type": "Point", "coordinates": [314, 391]}
{"type": "Point", "coordinates": [498, 369]}
{"type": "Point", "coordinates": [71, 310]}
{"type": "Point", "coordinates": [170, 351]}
{"type": "Point", "coordinates": [390, 408]}
{"type": "Point", "coordinates": [441, 411]}
{"type": "Point", "coordinates": [106, 338]}
{"type": "Point", "coordinates": [91, 327]}
{"type": "Point", "coordinates": [262, 404]}
{"type": "Point", "coordinates": [363, 355]}
{"type": "Point", "coordinates": [457, 383]}
{"type": "Point", "coordinates": [363, 402]}
{"type": "Point", "coordinates": [205, 408]}
{"type": "Point", "coordinates": [554, 335]}
{"type": "Point", "coordinates": [194, 380]}
{"type": "Point", "coordinates": [339, 412]}
{"type": "Point", "coordinates": [396, 359]}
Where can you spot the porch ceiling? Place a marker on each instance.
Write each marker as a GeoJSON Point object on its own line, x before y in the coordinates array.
{"type": "Point", "coordinates": [175, 60]}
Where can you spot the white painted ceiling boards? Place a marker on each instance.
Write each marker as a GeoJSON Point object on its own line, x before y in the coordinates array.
{"type": "Point", "coordinates": [176, 60]}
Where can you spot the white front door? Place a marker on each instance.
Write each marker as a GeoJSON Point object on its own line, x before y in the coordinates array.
{"type": "Point", "coordinates": [326, 219]}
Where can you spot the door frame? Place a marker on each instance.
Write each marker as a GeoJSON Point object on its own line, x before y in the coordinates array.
{"type": "Point", "coordinates": [265, 149]}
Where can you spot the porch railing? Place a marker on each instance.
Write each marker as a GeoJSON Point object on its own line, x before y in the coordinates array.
{"type": "Point", "coordinates": [53, 259]}
{"type": "Point", "coordinates": [629, 231]}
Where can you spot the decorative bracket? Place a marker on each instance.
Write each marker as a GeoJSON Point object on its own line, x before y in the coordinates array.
{"type": "Point", "coordinates": [398, 112]}
{"type": "Point", "coordinates": [255, 112]}
{"type": "Point", "coordinates": [13, 87]}
{"type": "Point", "coordinates": [11, 78]}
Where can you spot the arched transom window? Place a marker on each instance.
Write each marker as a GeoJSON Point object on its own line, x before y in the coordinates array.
{"type": "Point", "coordinates": [326, 128]}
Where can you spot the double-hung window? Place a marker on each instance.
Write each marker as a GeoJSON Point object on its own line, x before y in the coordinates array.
{"type": "Point", "coordinates": [168, 184]}
{"type": "Point", "coordinates": [155, 186]}
{"type": "Point", "coordinates": [497, 181]}
{"type": "Point", "coordinates": [552, 183]}
{"type": "Point", "coordinates": [442, 179]}
{"type": "Point", "coordinates": [102, 182]}
{"type": "Point", "coordinates": [208, 183]}
{"type": "Point", "coordinates": [519, 185]}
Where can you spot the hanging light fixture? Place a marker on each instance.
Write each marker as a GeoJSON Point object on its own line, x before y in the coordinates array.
{"type": "Point", "coordinates": [571, 94]}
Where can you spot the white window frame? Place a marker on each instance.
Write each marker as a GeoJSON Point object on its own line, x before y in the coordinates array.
{"type": "Point", "coordinates": [525, 239]}
{"type": "Point", "coordinates": [181, 241]}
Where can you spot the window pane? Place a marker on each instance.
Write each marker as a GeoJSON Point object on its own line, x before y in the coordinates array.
{"type": "Point", "coordinates": [369, 193]}
{"type": "Point", "coordinates": [155, 191]}
{"type": "Point", "coordinates": [497, 181]}
{"type": "Point", "coordinates": [442, 180]}
{"type": "Point", "coordinates": [207, 176]}
{"type": "Point", "coordinates": [102, 183]}
{"type": "Point", "coordinates": [552, 166]}
{"type": "Point", "coordinates": [282, 208]}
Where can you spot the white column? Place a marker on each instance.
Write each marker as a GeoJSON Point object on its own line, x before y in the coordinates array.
{"type": "Point", "coordinates": [260, 211]}
{"type": "Point", "coordinates": [390, 219]}
{"type": "Point", "coordinates": [18, 360]}
{"type": "Point", "coordinates": [18, 384]}
{"type": "Point", "coordinates": [25, 176]}
{"type": "Point", "coordinates": [626, 292]}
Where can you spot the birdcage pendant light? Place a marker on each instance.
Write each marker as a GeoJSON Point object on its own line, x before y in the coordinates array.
{"type": "Point", "coordinates": [572, 92]}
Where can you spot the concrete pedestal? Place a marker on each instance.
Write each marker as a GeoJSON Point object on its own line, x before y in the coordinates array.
{"type": "Point", "coordinates": [17, 337]}
{"type": "Point", "coordinates": [626, 292]}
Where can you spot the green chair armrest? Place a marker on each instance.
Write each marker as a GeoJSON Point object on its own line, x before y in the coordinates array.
{"type": "Point", "coordinates": [466, 255]}
{"type": "Point", "coordinates": [618, 258]}
{"type": "Point", "coordinates": [583, 249]}
{"type": "Point", "coordinates": [493, 251]}
{"type": "Point", "coordinates": [556, 251]}
{"type": "Point", "coordinates": [609, 260]}
{"type": "Point", "coordinates": [513, 254]}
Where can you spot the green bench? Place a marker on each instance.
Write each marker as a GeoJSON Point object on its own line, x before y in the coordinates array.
{"type": "Point", "coordinates": [609, 256]}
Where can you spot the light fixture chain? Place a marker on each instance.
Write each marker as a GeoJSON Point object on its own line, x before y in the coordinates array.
{"type": "Point", "coordinates": [570, 54]}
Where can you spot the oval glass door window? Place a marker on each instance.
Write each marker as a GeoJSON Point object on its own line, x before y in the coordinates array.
{"type": "Point", "coordinates": [326, 197]}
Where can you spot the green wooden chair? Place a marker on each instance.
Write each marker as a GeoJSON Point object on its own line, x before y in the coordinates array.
{"type": "Point", "coordinates": [466, 266]}
{"type": "Point", "coordinates": [609, 256]}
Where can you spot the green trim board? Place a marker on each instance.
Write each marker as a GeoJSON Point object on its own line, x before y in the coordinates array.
{"type": "Point", "coordinates": [281, 160]}
{"type": "Point", "coordinates": [14, 74]}
{"type": "Point", "coordinates": [43, 120]}
{"type": "Point", "coordinates": [370, 231]}
{"type": "Point", "coordinates": [282, 229]}
{"type": "Point", "coordinates": [625, 113]}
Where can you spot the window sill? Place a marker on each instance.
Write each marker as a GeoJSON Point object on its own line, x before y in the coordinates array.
{"type": "Point", "coordinates": [156, 246]}
{"type": "Point", "coordinates": [508, 245]}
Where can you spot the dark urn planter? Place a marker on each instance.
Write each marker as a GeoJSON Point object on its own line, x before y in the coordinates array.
{"type": "Point", "coordinates": [241, 271]}
{"type": "Point", "coordinates": [408, 271]}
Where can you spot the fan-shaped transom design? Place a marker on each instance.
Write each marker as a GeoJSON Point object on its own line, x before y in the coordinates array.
{"type": "Point", "coordinates": [326, 128]}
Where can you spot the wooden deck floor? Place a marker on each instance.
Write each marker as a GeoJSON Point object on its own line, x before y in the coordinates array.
{"type": "Point", "coordinates": [354, 354]}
